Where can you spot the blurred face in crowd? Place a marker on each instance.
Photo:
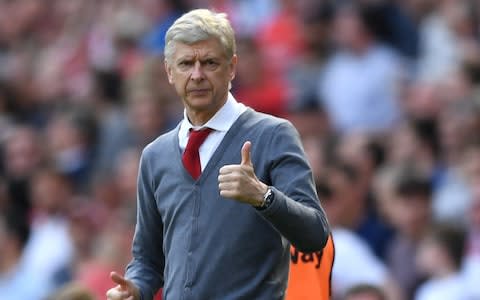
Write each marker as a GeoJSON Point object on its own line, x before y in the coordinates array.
{"type": "Point", "coordinates": [250, 71]}
{"type": "Point", "coordinates": [342, 208]}
{"type": "Point", "coordinates": [352, 149]}
{"type": "Point", "coordinates": [201, 74]}
{"type": "Point", "coordinates": [471, 165]}
{"type": "Point", "coordinates": [384, 190]}
{"type": "Point", "coordinates": [50, 192]}
{"type": "Point", "coordinates": [313, 151]}
{"type": "Point", "coordinates": [146, 116]}
{"type": "Point", "coordinates": [474, 212]}
{"type": "Point", "coordinates": [126, 173]}
{"type": "Point", "coordinates": [349, 32]}
{"type": "Point", "coordinates": [22, 152]}
{"type": "Point", "coordinates": [412, 214]}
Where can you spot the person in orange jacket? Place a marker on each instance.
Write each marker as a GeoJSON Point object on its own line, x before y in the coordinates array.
{"type": "Point", "coordinates": [310, 273]}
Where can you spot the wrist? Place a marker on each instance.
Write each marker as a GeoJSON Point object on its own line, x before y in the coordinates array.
{"type": "Point", "coordinates": [267, 199]}
{"type": "Point", "coordinates": [259, 200]}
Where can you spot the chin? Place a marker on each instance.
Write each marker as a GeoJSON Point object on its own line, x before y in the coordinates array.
{"type": "Point", "coordinates": [200, 102]}
{"type": "Point", "coordinates": [202, 107]}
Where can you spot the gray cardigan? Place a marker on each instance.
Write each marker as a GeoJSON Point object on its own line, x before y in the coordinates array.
{"type": "Point", "coordinates": [198, 245]}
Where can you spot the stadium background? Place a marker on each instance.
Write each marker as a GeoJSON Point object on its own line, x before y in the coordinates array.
{"type": "Point", "coordinates": [384, 94]}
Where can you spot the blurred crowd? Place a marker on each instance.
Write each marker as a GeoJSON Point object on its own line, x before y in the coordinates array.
{"type": "Point", "coordinates": [385, 95]}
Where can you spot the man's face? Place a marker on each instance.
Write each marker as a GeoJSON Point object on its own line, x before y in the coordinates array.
{"type": "Point", "coordinates": [201, 74]}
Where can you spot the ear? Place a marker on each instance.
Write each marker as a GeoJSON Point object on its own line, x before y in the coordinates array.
{"type": "Point", "coordinates": [233, 67]}
{"type": "Point", "coordinates": [168, 69]}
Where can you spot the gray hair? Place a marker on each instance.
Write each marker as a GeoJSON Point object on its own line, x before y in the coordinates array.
{"type": "Point", "coordinates": [200, 25]}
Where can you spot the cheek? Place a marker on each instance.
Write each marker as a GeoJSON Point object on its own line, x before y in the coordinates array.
{"type": "Point", "coordinates": [179, 81]}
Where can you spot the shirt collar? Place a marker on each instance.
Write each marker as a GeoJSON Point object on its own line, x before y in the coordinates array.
{"type": "Point", "coordinates": [221, 121]}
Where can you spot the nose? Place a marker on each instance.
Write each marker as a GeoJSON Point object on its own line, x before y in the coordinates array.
{"type": "Point", "coordinates": [197, 72]}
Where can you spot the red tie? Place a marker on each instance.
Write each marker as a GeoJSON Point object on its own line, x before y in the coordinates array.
{"type": "Point", "coordinates": [191, 158]}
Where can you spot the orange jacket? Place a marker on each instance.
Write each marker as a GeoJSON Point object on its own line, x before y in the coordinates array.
{"type": "Point", "coordinates": [310, 273]}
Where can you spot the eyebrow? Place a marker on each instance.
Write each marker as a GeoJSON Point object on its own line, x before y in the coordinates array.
{"type": "Point", "coordinates": [206, 56]}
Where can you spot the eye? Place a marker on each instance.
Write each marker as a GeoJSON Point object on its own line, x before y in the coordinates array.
{"type": "Point", "coordinates": [211, 62]}
{"type": "Point", "coordinates": [184, 63]}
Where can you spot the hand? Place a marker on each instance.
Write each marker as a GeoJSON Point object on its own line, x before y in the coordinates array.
{"type": "Point", "coordinates": [125, 290]}
{"type": "Point", "coordinates": [240, 183]}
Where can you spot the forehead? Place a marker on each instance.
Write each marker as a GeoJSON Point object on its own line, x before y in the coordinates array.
{"type": "Point", "coordinates": [210, 47]}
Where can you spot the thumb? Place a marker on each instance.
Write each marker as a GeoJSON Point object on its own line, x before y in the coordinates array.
{"type": "Point", "coordinates": [120, 280]}
{"type": "Point", "coordinates": [246, 160]}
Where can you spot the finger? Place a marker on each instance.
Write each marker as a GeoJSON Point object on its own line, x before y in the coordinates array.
{"type": "Point", "coordinates": [227, 186]}
{"type": "Point", "coordinates": [246, 160]}
{"type": "Point", "coordinates": [227, 169]}
{"type": "Point", "coordinates": [118, 279]}
{"type": "Point", "coordinates": [117, 293]}
{"type": "Point", "coordinates": [228, 193]}
{"type": "Point", "coordinates": [229, 177]}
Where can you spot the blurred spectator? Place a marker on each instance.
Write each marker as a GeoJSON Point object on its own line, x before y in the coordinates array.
{"type": "Point", "coordinates": [17, 281]}
{"type": "Point", "coordinates": [352, 258]}
{"type": "Point", "coordinates": [471, 266]}
{"type": "Point", "coordinates": [23, 154]}
{"type": "Point", "coordinates": [383, 186]}
{"type": "Point", "coordinates": [255, 86]}
{"type": "Point", "coordinates": [148, 112]}
{"type": "Point", "coordinates": [351, 173]}
{"type": "Point", "coordinates": [71, 139]}
{"type": "Point", "coordinates": [440, 257]}
{"type": "Point", "coordinates": [72, 292]}
{"type": "Point", "coordinates": [247, 16]}
{"type": "Point", "coordinates": [303, 75]}
{"type": "Point", "coordinates": [352, 254]}
{"type": "Point", "coordinates": [396, 23]}
{"type": "Point", "coordinates": [447, 36]}
{"type": "Point", "coordinates": [162, 14]}
{"type": "Point", "coordinates": [451, 197]}
{"type": "Point", "coordinates": [416, 143]}
{"type": "Point", "coordinates": [280, 39]}
{"type": "Point", "coordinates": [364, 292]}
{"type": "Point", "coordinates": [111, 252]}
{"type": "Point", "coordinates": [360, 84]}
{"type": "Point", "coordinates": [373, 87]}
{"type": "Point", "coordinates": [314, 148]}
{"type": "Point", "coordinates": [49, 250]}
{"type": "Point", "coordinates": [411, 217]}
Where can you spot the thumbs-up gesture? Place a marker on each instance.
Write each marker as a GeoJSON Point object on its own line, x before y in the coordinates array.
{"type": "Point", "coordinates": [125, 289]}
{"type": "Point", "coordinates": [240, 183]}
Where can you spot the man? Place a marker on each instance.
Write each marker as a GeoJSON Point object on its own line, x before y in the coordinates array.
{"type": "Point", "coordinates": [209, 225]}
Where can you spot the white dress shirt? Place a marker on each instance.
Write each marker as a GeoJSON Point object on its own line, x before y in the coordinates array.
{"type": "Point", "coordinates": [220, 123]}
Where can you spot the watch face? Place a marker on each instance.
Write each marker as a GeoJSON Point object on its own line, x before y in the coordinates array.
{"type": "Point", "coordinates": [268, 198]}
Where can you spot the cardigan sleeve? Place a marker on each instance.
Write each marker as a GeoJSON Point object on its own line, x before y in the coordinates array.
{"type": "Point", "coordinates": [296, 211]}
{"type": "Point", "coordinates": [147, 265]}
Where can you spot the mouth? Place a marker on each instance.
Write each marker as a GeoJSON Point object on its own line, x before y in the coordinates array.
{"type": "Point", "coordinates": [198, 91]}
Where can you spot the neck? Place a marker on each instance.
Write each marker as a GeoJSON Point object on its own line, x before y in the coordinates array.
{"type": "Point", "coordinates": [199, 118]}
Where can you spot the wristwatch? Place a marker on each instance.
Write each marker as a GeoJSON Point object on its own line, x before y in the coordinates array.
{"type": "Point", "coordinates": [267, 199]}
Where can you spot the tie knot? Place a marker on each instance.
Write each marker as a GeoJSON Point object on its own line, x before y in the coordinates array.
{"type": "Point", "coordinates": [197, 137]}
